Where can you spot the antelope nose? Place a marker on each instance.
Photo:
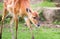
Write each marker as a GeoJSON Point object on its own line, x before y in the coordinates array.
{"type": "Point", "coordinates": [38, 25]}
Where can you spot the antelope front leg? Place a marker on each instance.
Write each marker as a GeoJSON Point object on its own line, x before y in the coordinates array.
{"type": "Point", "coordinates": [29, 26]}
{"type": "Point", "coordinates": [3, 16]}
{"type": "Point", "coordinates": [16, 24]}
{"type": "Point", "coordinates": [11, 27]}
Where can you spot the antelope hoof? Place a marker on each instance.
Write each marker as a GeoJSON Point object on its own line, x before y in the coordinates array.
{"type": "Point", "coordinates": [0, 36]}
{"type": "Point", "coordinates": [32, 37]}
{"type": "Point", "coordinates": [25, 24]}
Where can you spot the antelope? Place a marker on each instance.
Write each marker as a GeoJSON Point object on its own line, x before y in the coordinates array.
{"type": "Point", "coordinates": [19, 8]}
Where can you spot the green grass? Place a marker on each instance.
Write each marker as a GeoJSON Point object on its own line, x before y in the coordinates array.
{"type": "Point", "coordinates": [44, 4]}
{"type": "Point", "coordinates": [1, 6]}
{"type": "Point", "coordinates": [39, 33]}
{"type": "Point", "coordinates": [56, 22]}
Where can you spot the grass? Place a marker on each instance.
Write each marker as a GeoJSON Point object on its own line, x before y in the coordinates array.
{"type": "Point", "coordinates": [44, 4]}
{"type": "Point", "coordinates": [1, 6]}
{"type": "Point", "coordinates": [56, 22]}
{"type": "Point", "coordinates": [39, 33]}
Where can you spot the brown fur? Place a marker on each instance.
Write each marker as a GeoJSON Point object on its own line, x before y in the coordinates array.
{"type": "Point", "coordinates": [18, 8]}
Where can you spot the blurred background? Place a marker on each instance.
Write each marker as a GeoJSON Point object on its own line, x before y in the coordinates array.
{"type": "Point", "coordinates": [49, 12]}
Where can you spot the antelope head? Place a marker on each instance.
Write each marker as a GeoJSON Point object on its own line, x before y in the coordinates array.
{"type": "Point", "coordinates": [34, 17]}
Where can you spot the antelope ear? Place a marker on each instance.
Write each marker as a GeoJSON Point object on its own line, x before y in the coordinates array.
{"type": "Point", "coordinates": [28, 10]}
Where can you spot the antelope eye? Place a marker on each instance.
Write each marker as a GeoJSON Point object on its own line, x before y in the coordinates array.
{"type": "Point", "coordinates": [34, 17]}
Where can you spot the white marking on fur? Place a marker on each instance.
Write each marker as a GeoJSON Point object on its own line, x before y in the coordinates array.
{"type": "Point", "coordinates": [25, 18]}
